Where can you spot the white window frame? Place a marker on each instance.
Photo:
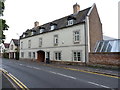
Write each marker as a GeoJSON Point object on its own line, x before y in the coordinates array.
{"type": "Point", "coordinates": [55, 39]}
{"type": "Point", "coordinates": [33, 55]}
{"type": "Point", "coordinates": [21, 45]}
{"type": "Point", "coordinates": [76, 36]}
{"type": "Point", "coordinates": [52, 27]}
{"type": "Point", "coordinates": [56, 55]}
{"type": "Point", "coordinates": [22, 54]}
{"type": "Point", "coordinates": [76, 56]}
{"type": "Point", "coordinates": [29, 54]}
{"type": "Point", "coordinates": [29, 43]}
{"type": "Point", "coordinates": [70, 22]}
{"type": "Point", "coordinates": [40, 42]}
{"type": "Point", "coordinates": [47, 54]}
{"type": "Point", "coordinates": [41, 30]}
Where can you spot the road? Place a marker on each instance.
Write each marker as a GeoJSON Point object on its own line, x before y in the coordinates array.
{"type": "Point", "coordinates": [36, 75]}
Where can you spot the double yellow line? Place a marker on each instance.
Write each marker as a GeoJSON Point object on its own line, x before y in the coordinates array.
{"type": "Point", "coordinates": [15, 80]}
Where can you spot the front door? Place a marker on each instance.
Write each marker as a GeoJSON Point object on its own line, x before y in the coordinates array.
{"type": "Point", "coordinates": [41, 56]}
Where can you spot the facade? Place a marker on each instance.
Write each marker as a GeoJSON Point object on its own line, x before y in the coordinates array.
{"type": "Point", "coordinates": [67, 39]}
{"type": "Point", "coordinates": [4, 49]}
{"type": "Point", "coordinates": [13, 47]}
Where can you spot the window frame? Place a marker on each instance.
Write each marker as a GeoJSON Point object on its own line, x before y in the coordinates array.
{"type": "Point", "coordinates": [40, 42]}
{"type": "Point", "coordinates": [29, 43]}
{"type": "Point", "coordinates": [56, 38]}
{"type": "Point", "coordinates": [75, 36]}
{"type": "Point", "coordinates": [58, 55]}
{"type": "Point", "coordinates": [77, 51]}
{"type": "Point", "coordinates": [70, 22]}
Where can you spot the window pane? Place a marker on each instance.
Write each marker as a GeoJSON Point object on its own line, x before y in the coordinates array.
{"type": "Point", "coordinates": [104, 46]}
{"type": "Point", "coordinates": [109, 48]}
{"type": "Point", "coordinates": [99, 47]}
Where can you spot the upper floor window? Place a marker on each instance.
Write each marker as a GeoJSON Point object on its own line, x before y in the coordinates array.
{"type": "Point", "coordinates": [70, 22]}
{"type": "Point", "coordinates": [55, 39]}
{"type": "Point", "coordinates": [76, 36]}
{"type": "Point", "coordinates": [11, 47]}
{"type": "Point", "coordinates": [21, 45]}
{"type": "Point", "coordinates": [40, 42]}
{"type": "Point", "coordinates": [29, 43]}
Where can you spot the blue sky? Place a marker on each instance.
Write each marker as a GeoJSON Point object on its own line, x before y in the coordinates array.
{"type": "Point", "coordinates": [21, 14]}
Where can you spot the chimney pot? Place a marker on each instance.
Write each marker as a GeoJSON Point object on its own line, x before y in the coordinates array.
{"type": "Point", "coordinates": [36, 24]}
{"type": "Point", "coordinates": [76, 8]}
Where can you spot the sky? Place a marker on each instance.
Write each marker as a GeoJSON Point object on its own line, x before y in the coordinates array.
{"type": "Point", "coordinates": [20, 15]}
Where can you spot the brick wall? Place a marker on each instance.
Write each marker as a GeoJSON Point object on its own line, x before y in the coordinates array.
{"type": "Point", "coordinates": [111, 58]}
{"type": "Point", "coordinates": [95, 28]}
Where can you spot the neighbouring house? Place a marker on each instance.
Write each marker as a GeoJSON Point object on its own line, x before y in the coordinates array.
{"type": "Point", "coordinates": [70, 38]}
{"type": "Point", "coordinates": [13, 48]}
{"type": "Point", "coordinates": [4, 49]}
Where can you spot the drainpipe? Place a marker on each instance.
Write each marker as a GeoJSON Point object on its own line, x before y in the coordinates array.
{"type": "Point", "coordinates": [86, 26]}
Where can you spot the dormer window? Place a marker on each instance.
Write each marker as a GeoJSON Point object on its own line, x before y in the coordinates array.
{"type": "Point", "coordinates": [23, 35]}
{"type": "Point", "coordinates": [53, 26]}
{"type": "Point", "coordinates": [70, 22]}
{"type": "Point", "coordinates": [33, 32]}
{"type": "Point", "coordinates": [41, 29]}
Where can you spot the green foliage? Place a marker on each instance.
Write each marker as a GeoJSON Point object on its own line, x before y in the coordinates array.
{"type": "Point", "coordinates": [2, 7]}
{"type": "Point", "coordinates": [3, 25]}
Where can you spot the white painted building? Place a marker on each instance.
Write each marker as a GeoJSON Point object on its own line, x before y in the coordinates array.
{"type": "Point", "coordinates": [13, 47]}
{"type": "Point", "coordinates": [67, 39]}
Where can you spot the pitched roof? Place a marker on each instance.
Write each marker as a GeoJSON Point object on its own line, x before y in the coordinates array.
{"type": "Point", "coordinates": [61, 23]}
{"type": "Point", "coordinates": [6, 45]}
{"type": "Point", "coordinates": [16, 42]}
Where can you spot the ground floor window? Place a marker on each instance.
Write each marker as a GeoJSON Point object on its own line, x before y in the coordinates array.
{"type": "Point", "coordinates": [22, 54]}
{"type": "Point", "coordinates": [29, 54]}
{"type": "Point", "coordinates": [76, 56]}
{"type": "Point", "coordinates": [48, 55]}
{"type": "Point", "coordinates": [57, 55]}
{"type": "Point", "coordinates": [34, 55]}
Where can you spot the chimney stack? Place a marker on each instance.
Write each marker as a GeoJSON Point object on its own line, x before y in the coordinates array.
{"type": "Point", "coordinates": [76, 8]}
{"type": "Point", "coordinates": [36, 24]}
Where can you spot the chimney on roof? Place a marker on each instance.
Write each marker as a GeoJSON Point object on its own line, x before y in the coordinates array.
{"type": "Point", "coordinates": [76, 8]}
{"type": "Point", "coordinates": [36, 24]}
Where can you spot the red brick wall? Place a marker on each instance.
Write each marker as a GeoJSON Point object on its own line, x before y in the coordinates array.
{"type": "Point", "coordinates": [111, 58]}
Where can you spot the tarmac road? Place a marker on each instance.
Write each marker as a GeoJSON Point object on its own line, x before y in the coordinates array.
{"type": "Point", "coordinates": [36, 75]}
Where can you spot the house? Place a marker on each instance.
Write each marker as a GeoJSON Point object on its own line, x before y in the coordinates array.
{"type": "Point", "coordinates": [70, 38]}
{"type": "Point", "coordinates": [13, 48]}
{"type": "Point", "coordinates": [4, 49]}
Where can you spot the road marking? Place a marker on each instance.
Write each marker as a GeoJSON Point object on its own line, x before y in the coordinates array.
{"type": "Point", "coordinates": [18, 81]}
{"type": "Point", "coordinates": [15, 80]}
{"type": "Point", "coordinates": [63, 75]}
{"type": "Point", "coordinates": [98, 85]}
{"type": "Point", "coordinates": [84, 71]}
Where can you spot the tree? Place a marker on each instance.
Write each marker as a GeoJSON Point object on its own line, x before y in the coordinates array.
{"type": "Point", "coordinates": [3, 25]}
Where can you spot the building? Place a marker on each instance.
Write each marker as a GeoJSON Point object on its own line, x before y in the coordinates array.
{"type": "Point", "coordinates": [13, 48]}
{"type": "Point", "coordinates": [66, 39]}
{"type": "Point", "coordinates": [108, 46]}
{"type": "Point", "coordinates": [4, 49]}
